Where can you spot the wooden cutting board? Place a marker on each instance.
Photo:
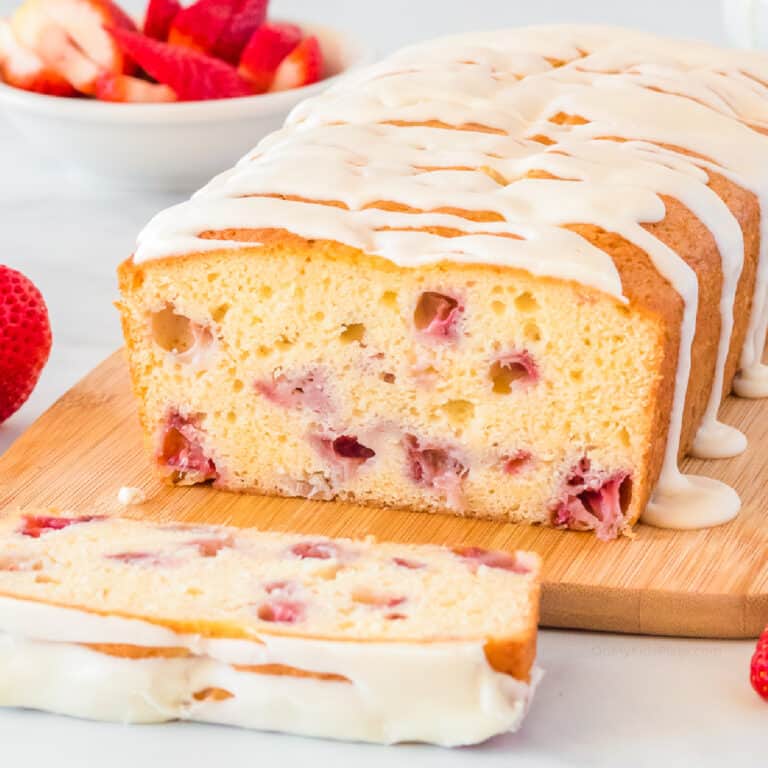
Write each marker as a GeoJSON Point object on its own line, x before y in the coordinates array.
{"type": "Point", "coordinates": [711, 583]}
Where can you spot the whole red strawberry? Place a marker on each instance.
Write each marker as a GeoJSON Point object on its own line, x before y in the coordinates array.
{"type": "Point", "coordinates": [758, 672]}
{"type": "Point", "coordinates": [25, 339]}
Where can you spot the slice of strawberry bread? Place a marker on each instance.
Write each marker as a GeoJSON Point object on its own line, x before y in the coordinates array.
{"type": "Point", "coordinates": [118, 619]}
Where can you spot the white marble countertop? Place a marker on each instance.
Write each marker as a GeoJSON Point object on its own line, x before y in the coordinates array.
{"type": "Point", "coordinates": [606, 700]}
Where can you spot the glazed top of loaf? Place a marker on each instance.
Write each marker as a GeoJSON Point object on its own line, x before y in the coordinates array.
{"type": "Point", "coordinates": [459, 132]}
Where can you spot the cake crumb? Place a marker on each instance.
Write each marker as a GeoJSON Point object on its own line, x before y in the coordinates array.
{"type": "Point", "coordinates": [128, 495]}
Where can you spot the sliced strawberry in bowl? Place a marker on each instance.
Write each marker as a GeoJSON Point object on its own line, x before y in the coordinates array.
{"type": "Point", "coordinates": [127, 89]}
{"type": "Point", "coordinates": [159, 18]}
{"type": "Point", "coordinates": [151, 145]}
{"type": "Point", "coordinates": [192, 75]}
{"type": "Point", "coordinates": [302, 66]}
{"type": "Point", "coordinates": [70, 38]}
{"type": "Point", "coordinates": [266, 50]}
{"type": "Point", "coordinates": [248, 17]}
{"type": "Point", "coordinates": [57, 52]}
{"type": "Point", "coordinates": [201, 24]}
{"type": "Point", "coordinates": [23, 68]}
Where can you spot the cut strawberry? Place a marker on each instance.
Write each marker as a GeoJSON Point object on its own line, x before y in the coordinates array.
{"type": "Point", "coordinates": [181, 454]}
{"type": "Point", "coordinates": [317, 550]}
{"type": "Point", "coordinates": [267, 48]}
{"type": "Point", "coordinates": [301, 390]}
{"type": "Point", "coordinates": [437, 316]}
{"type": "Point", "coordinates": [437, 468]}
{"type": "Point", "coordinates": [249, 16]}
{"type": "Point", "coordinates": [192, 75]}
{"type": "Point", "coordinates": [35, 526]}
{"type": "Point", "coordinates": [159, 18]}
{"type": "Point", "coordinates": [200, 26]}
{"type": "Point", "coordinates": [124, 88]}
{"type": "Point", "coordinates": [60, 54]}
{"type": "Point", "coordinates": [24, 69]}
{"type": "Point", "coordinates": [281, 611]}
{"type": "Point", "coordinates": [302, 66]}
{"type": "Point", "coordinates": [69, 37]}
{"type": "Point", "coordinates": [477, 556]}
{"type": "Point", "coordinates": [211, 547]}
{"type": "Point", "coordinates": [758, 671]}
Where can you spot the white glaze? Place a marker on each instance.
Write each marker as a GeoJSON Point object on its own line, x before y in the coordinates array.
{"type": "Point", "coordinates": [694, 502]}
{"type": "Point", "coordinates": [342, 147]}
{"type": "Point", "coordinates": [129, 495]}
{"type": "Point", "coordinates": [442, 693]}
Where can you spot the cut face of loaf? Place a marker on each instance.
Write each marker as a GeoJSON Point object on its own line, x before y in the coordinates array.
{"type": "Point", "coordinates": [307, 369]}
{"type": "Point", "coordinates": [279, 631]}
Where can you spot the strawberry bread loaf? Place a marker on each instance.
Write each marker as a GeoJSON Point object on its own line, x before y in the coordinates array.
{"type": "Point", "coordinates": [116, 619]}
{"type": "Point", "coordinates": [507, 275]}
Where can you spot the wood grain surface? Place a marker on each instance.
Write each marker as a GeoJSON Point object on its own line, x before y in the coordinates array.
{"type": "Point", "coordinates": [710, 583]}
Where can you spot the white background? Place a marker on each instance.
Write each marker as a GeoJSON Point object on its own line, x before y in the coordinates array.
{"type": "Point", "coordinates": [606, 700]}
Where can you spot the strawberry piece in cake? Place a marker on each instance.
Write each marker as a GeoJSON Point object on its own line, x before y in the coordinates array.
{"type": "Point", "coordinates": [308, 390]}
{"type": "Point", "coordinates": [517, 462]}
{"type": "Point", "coordinates": [211, 547]}
{"type": "Point", "coordinates": [318, 550]}
{"type": "Point", "coordinates": [35, 526]}
{"type": "Point", "coordinates": [281, 611]}
{"type": "Point", "coordinates": [476, 556]}
{"type": "Point", "coordinates": [438, 469]}
{"type": "Point", "coordinates": [181, 451]}
{"type": "Point", "coordinates": [344, 455]}
{"type": "Point", "coordinates": [593, 500]}
{"type": "Point", "coordinates": [516, 369]}
{"type": "Point", "coordinates": [436, 316]}
{"type": "Point", "coordinates": [143, 559]}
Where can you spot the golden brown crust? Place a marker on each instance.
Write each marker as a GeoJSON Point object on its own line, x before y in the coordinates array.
{"type": "Point", "coordinates": [125, 651]}
{"type": "Point", "coordinates": [213, 694]}
{"type": "Point", "coordinates": [282, 670]}
{"type": "Point", "coordinates": [745, 206]}
{"type": "Point", "coordinates": [516, 655]}
{"type": "Point", "coordinates": [513, 656]}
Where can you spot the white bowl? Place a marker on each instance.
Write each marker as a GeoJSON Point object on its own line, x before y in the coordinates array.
{"type": "Point", "coordinates": [746, 22]}
{"type": "Point", "coordinates": [176, 146]}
